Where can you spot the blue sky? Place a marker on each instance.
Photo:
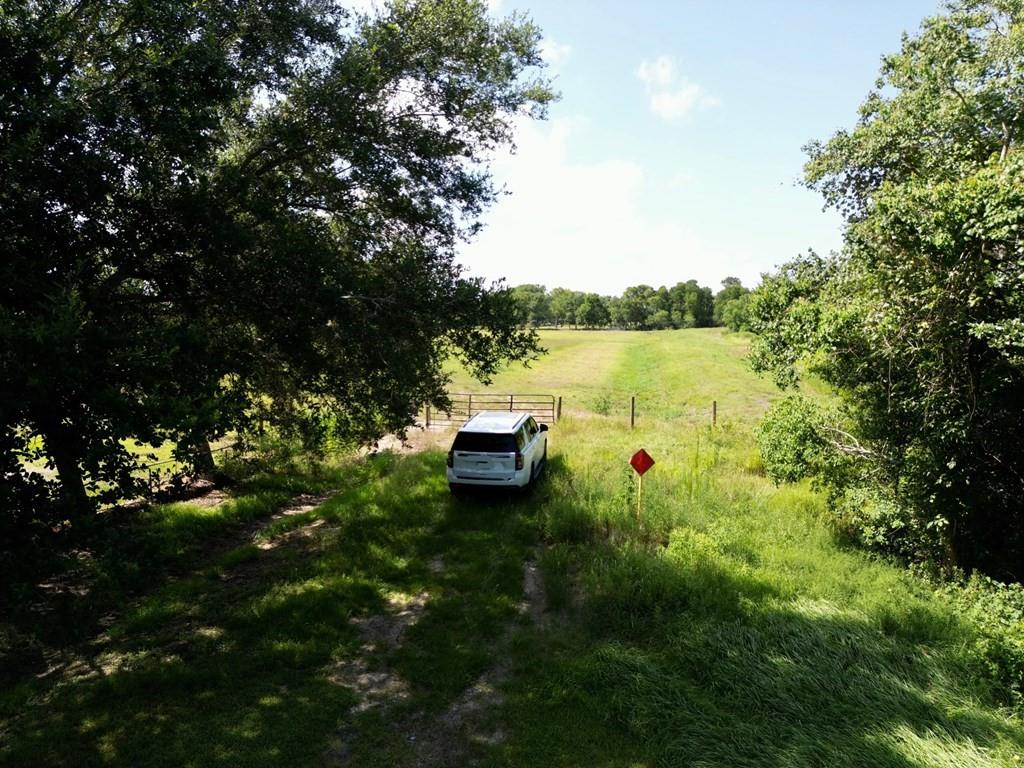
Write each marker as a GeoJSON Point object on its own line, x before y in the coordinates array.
{"type": "Point", "coordinates": [675, 150]}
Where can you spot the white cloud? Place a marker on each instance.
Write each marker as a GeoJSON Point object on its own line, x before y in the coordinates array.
{"type": "Point", "coordinates": [554, 53]}
{"type": "Point", "coordinates": [583, 225]}
{"type": "Point", "coordinates": [680, 180]}
{"type": "Point", "coordinates": [658, 73]}
{"type": "Point", "coordinates": [672, 96]}
{"type": "Point", "coordinates": [673, 105]}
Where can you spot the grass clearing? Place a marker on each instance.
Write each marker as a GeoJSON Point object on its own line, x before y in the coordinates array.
{"type": "Point", "coordinates": [157, 462]}
{"type": "Point", "coordinates": [577, 367]}
{"type": "Point", "coordinates": [675, 375]}
{"type": "Point", "coordinates": [726, 627]}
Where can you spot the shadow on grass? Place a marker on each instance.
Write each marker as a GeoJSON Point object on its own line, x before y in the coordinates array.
{"type": "Point", "coordinates": [230, 666]}
{"type": "Point", "coordinates": [64, 595]}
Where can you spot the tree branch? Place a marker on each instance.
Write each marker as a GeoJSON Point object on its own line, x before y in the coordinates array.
{"type": "Point", "coordinates": [851, 447]}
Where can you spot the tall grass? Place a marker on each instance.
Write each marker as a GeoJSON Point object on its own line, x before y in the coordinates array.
{"type": "Point", "coordinates": [728, 625]}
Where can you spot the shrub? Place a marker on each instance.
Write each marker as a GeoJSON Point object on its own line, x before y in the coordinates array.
{"type": "Point", "coordinates": [997, 611]}
{"type": "Point", "coordinates": [790, 441]}
{"type": "Point", "coordinates": [873, 518]}
{"type": "Point", "coordinates": [602, 404]}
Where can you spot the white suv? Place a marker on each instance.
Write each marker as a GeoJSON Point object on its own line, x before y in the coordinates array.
{"type": "Point", "coordinates": [498, 448]}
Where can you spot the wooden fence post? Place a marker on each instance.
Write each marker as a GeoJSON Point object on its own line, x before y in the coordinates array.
{"type": "Point", "coordinates": [469, 408]}
{"type": "Point", "coordinates": [714, 413]}
{"type": "Point", "coordinates": [428, 416]}
{"type": "Point", "coordinates": [632, 411]}
{"type": "Point", "coordinates": [558, 413]}
{"type": "Point", "coordinates": [510, 398]}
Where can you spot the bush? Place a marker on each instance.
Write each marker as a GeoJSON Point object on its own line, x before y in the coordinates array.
{"type": "Point", "coordinates": [601, 404]}
{"type": "Point", "coordinates": [790, 440]}
{"type": "Point", "coordinates": [736, 313]}
{"type": "Point", "coordinates": [874, 519]}
{"type": "Point", "coordinates": [997, 611]}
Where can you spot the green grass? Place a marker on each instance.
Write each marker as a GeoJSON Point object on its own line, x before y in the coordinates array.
{"type": "Point", "coordinates": [63, 597]}
{"type": "Point", "coordinates": [728, 628]}
{"type": "Point", "coordinates": [227, 666]}
{"type": "Point", "coordinates": [673, 374]}
{"type": "Point", "coordinates": [725, 627]}
{"type": "Point", "coordinates": [577, 367]}
{"type": "Point", "coordinates": [155, 458]}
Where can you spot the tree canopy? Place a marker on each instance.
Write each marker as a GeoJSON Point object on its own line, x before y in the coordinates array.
{"type": "Point", "coordinates": [917, 324]}
{"type": "Point", "coordinates": [211, 209]}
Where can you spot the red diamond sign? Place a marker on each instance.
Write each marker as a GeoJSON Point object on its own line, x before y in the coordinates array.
{"type": "Point", "coordinates": [641, 461]}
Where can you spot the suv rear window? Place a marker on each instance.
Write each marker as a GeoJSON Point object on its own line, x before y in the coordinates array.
{"type": "Point", "coordinates": [484, 442]}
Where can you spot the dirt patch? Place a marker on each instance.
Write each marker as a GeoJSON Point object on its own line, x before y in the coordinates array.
{"type": "Point", "coordinates": [300, 505]}
{"type": "Point", "coordinates": [384, 632]}
{"type": "Point", "coordinates": [305, 532]}
{"type": "Point", "coordinates": [214, 498]}
{"type": "Point", "coordinates": [374, 688]}
{"type": "Point", "coordinates": [75, 582]}
{"type": "Point", "coordinates": [417, 439]}
{"type": "Point", "coordinates": [535, 599]}
{"type": "Point", "coordinates": [449, 739]}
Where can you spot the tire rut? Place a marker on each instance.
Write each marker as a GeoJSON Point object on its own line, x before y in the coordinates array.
{"type": "Point", "coordinates": [450, 738]}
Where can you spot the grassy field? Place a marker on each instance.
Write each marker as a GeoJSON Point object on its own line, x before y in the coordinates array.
{"type": "Point", "coordinates": [388, 626]}
{"type": "Point", "coordinates": [673, 375]}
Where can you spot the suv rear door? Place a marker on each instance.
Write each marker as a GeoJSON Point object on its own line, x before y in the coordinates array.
{"type": "Point", "coordinates": [534, 443]}
{"type": "Point", "coordinates": [484, 455]}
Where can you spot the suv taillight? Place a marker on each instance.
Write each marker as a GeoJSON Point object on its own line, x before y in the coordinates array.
{"type": "Point", "coordinates": [451, 458]}
{"type": "Point", "coordinates": [519, 460]}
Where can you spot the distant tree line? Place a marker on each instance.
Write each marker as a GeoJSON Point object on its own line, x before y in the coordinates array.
{"type": "Point", "coordinates": [640, 307]}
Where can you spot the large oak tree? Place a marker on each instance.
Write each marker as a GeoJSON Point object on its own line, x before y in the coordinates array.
{"type": "Point", "coordinates": [212, 207]}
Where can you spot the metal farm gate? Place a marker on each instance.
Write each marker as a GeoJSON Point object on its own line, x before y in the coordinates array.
{"type": "Point", "coordinates": [544, 408]}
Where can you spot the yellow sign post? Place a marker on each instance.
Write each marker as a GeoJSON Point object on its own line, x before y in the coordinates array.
{"type": "Point", "coordinates": [641, 461]}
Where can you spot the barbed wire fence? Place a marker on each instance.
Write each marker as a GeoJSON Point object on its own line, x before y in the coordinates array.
{"type": "Point", "coordinates": [603, 401]}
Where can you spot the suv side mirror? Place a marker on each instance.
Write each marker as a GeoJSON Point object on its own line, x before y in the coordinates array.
{"type": "Point", "coordinates": [543, 427]}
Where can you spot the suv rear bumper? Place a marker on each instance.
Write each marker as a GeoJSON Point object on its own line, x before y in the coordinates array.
{"type": "Point", "coordinates": [519, 478]}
